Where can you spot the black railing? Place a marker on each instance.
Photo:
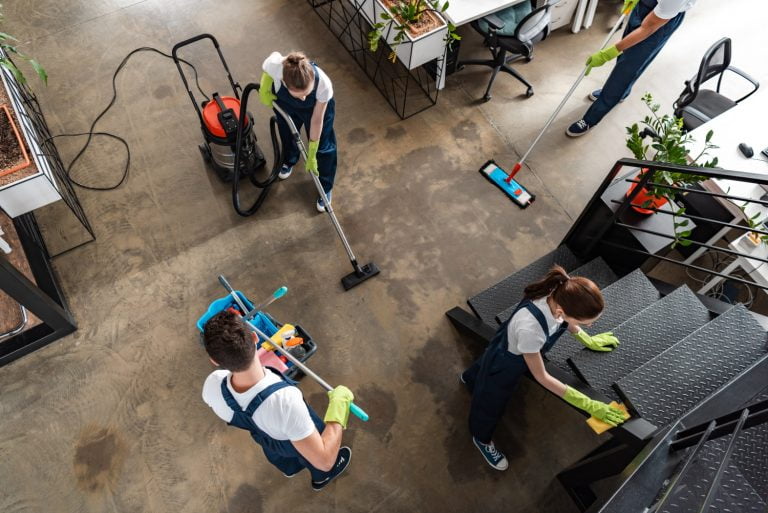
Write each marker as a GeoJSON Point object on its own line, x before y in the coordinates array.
{"type": "Point", "coordinates": [608, 221]}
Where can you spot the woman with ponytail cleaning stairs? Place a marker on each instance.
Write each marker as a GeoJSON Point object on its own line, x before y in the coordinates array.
{"type": "Point", "coordinates": [550, 306]}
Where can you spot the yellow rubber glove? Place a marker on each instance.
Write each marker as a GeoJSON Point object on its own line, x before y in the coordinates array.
{"type": "Point", "coordinates": [266, 96]}
{"type": "Point", "coordinates": [339, 400]}
{"type": "Point", "coordinates": [601, 342]}
{"type": "Point", "coordinates": [601, 57]}
{"type": "Point", "coordinates": [601, 411]}
{"type": "Point", "coordinates": [311, 163]}
{"type": "Point", "coordinates": [629, 5]}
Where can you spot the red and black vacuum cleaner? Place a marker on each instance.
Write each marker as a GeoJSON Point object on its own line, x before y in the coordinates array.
{"type": "Point", "coordinates": [218, 117]}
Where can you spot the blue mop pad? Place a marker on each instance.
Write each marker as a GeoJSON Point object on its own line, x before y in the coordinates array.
{"type": "Point", "coordinates": [514, 190]}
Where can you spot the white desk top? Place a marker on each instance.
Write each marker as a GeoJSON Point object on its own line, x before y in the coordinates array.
{"type": "Point", "coordinates": [744, 123]}
{"type": "Point", "coordinates": [463, 11]}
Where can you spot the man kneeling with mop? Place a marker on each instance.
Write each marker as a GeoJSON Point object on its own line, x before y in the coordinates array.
{"type": "Point", "coordinates": [269, 405]}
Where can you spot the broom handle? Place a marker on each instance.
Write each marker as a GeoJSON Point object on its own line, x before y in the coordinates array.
{"type": "Point", "coordinates": [353, 408]}
{"type": "Point", "coordinates": [568, 95]}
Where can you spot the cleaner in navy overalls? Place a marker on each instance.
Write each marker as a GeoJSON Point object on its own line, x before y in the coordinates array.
{"type": "Point", "coordinates": [305, 93]}
{"type": "Point", "coordinates": [550, 307]}
{"type": "Point", "coordinates": [268, 405]}
{"type": "Point", "coordinates": [650, 25]}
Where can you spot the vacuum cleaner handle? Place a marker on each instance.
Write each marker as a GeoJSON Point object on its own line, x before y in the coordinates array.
{"type": "Point", "coordinates": [353, 408]}
{"type": "Point", "coordinates": [177, 60]}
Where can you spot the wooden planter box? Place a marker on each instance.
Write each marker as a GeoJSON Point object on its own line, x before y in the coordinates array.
{"type": "Point", "coordinates": [415, 51]}
{"type": "Point", "coordinates": [34, 186]}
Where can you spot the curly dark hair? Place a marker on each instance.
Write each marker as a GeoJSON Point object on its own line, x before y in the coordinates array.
{"type": "Point", "coordinates": [229, 342]}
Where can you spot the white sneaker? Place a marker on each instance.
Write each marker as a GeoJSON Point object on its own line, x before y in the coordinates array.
{"type": "Point", "coordinates": [285, 172]}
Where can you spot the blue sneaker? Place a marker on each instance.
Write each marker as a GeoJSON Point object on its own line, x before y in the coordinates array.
{"type": "Point", "coordinates": [577, 129]}
{"type": "Point", "coordinates": [342, 462]}
{"type": "Point", "coordinates": [285, 172]}
{"type": "Point", "coordinates": [494, 458]}
{"type": "Point", "coordinates": [594, 95]}
{"type": "Point", "coordinates": [320, 206]}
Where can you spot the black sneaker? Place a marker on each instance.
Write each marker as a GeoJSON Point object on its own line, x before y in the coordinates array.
{"type": "Point", "coordinates": [594, 95]}
{"type": "Point", "coordinates": [342, 462]}
{"type": "Point", "coordinates": [291, 475]}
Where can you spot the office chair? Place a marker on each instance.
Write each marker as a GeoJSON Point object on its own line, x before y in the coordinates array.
{"type": "Point", "coordinates": [505, 49]}
{"type": "Point", "coordinates": [696, 105]}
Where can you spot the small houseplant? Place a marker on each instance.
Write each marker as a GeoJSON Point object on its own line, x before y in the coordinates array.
{"type": "Point", "coordinates": [410, 17]}
{"type": "Point", "coordinates": [7, 43]}
{"type": "Point", "coordinates": [669, 144]}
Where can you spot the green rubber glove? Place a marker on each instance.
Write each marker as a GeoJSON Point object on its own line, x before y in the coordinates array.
{"type": "Point", "coordinates": [266, 96]}
{"type": "Point", "coordinates": [601, 57]}
{"type": "Point", "coordinates": [602, 411]}
{"type": "Point", "coordinates": [311, 163]}
{"type": "Point", "coordinates": [339, 400]}
{"type": "Point", "coordinates": [601, 342]}
{"type": "Point", "coordinates": [629, 5]}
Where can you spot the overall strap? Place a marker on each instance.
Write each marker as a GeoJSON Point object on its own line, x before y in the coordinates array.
{"type": "Point", "coordinates": [317, 76]}
{"type": "Point", "coordinates": [539, 316]}
{"type": "Point", "coordinates": [255, 402]}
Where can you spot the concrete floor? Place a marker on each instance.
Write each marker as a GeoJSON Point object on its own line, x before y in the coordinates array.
{"type": "Point", "coordinates": [110, 418]}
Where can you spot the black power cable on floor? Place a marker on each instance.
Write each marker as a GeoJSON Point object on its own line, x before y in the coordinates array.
{"type": "Point", "coordinates": [90, 133]}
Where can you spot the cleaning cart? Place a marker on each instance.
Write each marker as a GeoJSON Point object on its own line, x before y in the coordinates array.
{"type": "Point", "coordinates": [270, 327]}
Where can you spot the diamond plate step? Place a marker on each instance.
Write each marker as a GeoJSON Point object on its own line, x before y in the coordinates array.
{"type": "Point", "coordinates": [596, 270]}
{"type": "Point", "coordinates": [750, 453]}
{"type": "Point", "coordinates": [509, 291]}
{"type": "Point", "coordinates": [641, 337]}
{"type": "Point", "coordinates": [676, 380]}
{"type": "Point", "coordinates": [735, 494]}
{"type": "Point", "coordinates": [623, 299]}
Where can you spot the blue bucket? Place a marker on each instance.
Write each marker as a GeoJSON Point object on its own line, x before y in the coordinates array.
{"type": "Point", "coordinates": [260, 320]}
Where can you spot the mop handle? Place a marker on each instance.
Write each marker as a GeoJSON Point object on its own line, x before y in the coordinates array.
{"type": "Point", "coordinates": [564, 100]}
{"type": "Point", "coordinates": [316, 180]}
{"type": "Point", "coordinates": [355, 409]}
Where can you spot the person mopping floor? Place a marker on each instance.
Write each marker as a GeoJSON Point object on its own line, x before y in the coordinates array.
{"type": "Point", "coordinates": [650, 26]}
{"type": "Point", "coordinates": [305, 93]}
{"type": "Point", "coordinates": [268, 405]}
{"type": "Point", "coordinates": [550, 306]}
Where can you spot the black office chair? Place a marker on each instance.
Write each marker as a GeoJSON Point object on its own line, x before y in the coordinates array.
{"type": "Point", "coordinates": [696, 105]}
{"type": "Point", "coordinates": [534, 27]}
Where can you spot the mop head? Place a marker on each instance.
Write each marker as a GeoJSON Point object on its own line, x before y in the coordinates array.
{"type": "Point", "coordinates": [598, 426]}
{"type": "Point", "coordinates": [513, 189]}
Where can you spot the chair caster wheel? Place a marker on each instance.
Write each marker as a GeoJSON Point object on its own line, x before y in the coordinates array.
{"type": "Point", "coordinates": [487, 98]}
{"type": "Point", "coordinates": [529, 92]}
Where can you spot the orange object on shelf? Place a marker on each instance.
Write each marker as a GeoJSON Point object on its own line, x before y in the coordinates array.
{"type": "Point", "coordinates": [26, 162]}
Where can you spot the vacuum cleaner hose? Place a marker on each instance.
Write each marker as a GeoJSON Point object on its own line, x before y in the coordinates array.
{"type": "Point", "coordinates": [265, 184]}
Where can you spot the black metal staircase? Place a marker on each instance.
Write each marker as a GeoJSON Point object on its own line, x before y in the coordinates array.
{"type": "Point", "coordinates": [684, 363]}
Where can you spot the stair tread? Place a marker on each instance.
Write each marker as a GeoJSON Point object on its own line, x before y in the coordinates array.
{"type": "Point", "coordinates": [735, 494]}
{"type": "Point", "coordinates": [673, 382]}
{"type": "Point", "coordinates": [509, 291]}
{"type": "Point", "coordinates": [623, 299]}
{"type": "Point", "coordinates": [641, 337]}
{"type": "Point", "coordinates": [596, 270]}
{"type": "Point", "coordinates": [751, 453]}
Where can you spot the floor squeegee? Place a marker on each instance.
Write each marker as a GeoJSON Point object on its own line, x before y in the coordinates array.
{"type": "Point", "coordinates": [506, 181]}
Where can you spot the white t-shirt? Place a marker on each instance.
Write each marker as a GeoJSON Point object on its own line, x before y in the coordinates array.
{"type": "Point", "coordinates": [283, 416]}
{"type": "Point", "coordinates": [668, 9]}
{"type": "Point", "coordinates": [524, 331]}
{"type": "Point", "coordinates": [274, 66]}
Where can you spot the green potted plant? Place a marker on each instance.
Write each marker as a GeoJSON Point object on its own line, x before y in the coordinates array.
{"type": "Point", "coordinates": [13, 151]}
{"type": "Point", "coordinates": [669, 143]}
{"type": "Point", "coordinates": [419, 22]}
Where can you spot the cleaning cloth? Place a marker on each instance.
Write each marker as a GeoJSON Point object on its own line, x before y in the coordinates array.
{"type": "Point", "coordinates": [598, 426]}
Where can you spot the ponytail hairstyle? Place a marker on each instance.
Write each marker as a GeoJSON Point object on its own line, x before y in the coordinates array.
{"type": "Point", "coordinates": [297, 71]}
{"type": "Point", "coordinates": [579, 297]}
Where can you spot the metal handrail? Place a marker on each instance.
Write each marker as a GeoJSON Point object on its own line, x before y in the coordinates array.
{"type": "Point", "coordinates": [708, 172]}
{"type": "Point", "coordinates": [698, 191]}
{"type": "Point", "coordinates": [713, 488]}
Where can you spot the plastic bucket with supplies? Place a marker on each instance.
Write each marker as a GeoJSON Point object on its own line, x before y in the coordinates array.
{"type": "Point", "coordinates": [292, 337]}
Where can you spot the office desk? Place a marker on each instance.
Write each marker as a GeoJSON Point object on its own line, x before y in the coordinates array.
{"type": "Point", "coordinates": [461, 12]}
{"type": "Point", "coordinates": [744, 123]}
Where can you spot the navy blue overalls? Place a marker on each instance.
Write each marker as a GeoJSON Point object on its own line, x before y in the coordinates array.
{"type": "Point", "coordinates": [301, 113]}
{"type": "Point", "coordinates": [281, 453]}
{"type": "Point", "coordinates": [492, 378]}
{"type": "Point", "coordinates": [632, 62]}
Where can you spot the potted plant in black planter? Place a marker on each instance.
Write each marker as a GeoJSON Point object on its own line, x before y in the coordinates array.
{"type": "Point", "coordinates": [669, 143]}
{"type": "Point", "coordinates": [13, 151]}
